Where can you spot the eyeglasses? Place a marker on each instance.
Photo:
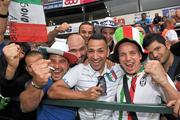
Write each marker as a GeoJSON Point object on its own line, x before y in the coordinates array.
{"type": "Point", "coordinates": [102, 83]}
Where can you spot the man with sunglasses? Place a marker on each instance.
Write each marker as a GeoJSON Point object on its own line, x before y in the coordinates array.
{"type": "Point", "coordinates": [93, 81]}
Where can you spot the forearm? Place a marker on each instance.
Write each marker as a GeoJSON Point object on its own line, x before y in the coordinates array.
{"type": "Point", "coordinates": [10, 72]}
{"type": "Point", "coordinates": [65, 93]}
{"type": "Point", "coordinates": [30, 98]}
{"type": "Point", "coordinates": [51, 35]}
{"type": "Point", "coordinates": [170, 91]}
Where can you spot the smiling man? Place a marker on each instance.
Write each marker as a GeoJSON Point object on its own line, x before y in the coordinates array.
{"type": "Point", "coordinates": [43, 77]}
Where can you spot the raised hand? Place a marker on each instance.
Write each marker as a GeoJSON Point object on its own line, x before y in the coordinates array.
{"type": "Point", "coordinates": [13, 54]}
{"type": "Point", "coordinates": [63, 27]}
{"type": "Point", "coordinates": [156, 71]}
{"type": "Point", "coordinates": [40, 72]}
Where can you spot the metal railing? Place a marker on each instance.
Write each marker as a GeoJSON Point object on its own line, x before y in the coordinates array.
{"type": "Point", "coordinates": [150, 108]}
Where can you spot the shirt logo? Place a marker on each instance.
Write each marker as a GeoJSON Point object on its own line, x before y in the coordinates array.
{"type": "Point", "coordinates": [143, 81]}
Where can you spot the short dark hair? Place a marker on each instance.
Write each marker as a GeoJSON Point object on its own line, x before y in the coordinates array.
{"type": "Point", "coordinates": [99, 37]}
{"type": "Point", "coordinates": [33, 53]}
{"type": "Point", "coordinates": [86, 23]}
{"type": "Point", "coordinates": [150, 38]}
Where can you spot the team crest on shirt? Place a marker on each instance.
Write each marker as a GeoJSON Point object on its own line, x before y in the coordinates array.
{"type": "Point", "coordinates": [143, 81]}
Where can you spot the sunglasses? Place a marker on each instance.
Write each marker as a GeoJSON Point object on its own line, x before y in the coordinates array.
{"type": "Point", "coordinates": [102, 83]}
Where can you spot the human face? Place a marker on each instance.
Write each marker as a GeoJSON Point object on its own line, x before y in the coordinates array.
{"type": "Point", "coordinates": [86, 31]}
{"type": "Point", "coordinates": [129, 58]}
{"type": "Point", "coordinates": [60, 64]}
{"type": "Point", "coordinates": [108, 34]}
{"type": "Point", "coordinates": [30, 60]}
{"type": "Point", "coordinates": [158, 51]}
{"type": "Point", "coordinates": [77, 47]}
{"type": "Point", "coordinates": [97, 54]}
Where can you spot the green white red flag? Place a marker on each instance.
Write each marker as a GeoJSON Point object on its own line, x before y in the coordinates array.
{"type": "Point", "coordinates": [27, 21]}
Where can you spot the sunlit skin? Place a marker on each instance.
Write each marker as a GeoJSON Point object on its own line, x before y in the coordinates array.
{"type": "Point", "coordinates": [97, 54]}
{"type": "Point", "coordinates": [86, 31]}
{"type": "Point", "coordinates": [77, 47]}
{"type": "Point", "coordinates": [129, 58]}
{"type": "Point", "coordinates": [60, 64]}
{"type": "Point", "coordinates": [108, 34]}
{"type": "Point", "coordinates": [30, 60]}
{"type": "Point", "coordinates": [158, 51]}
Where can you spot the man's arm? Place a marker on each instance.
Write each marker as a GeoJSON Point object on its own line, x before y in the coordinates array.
{"type": "Point", "coordinates": [60, 90]}
{"type": "Point", "coordinates": [32, 96]}
{"type": "Point", "coordinates": [61, 28]}
{"type": "Point", "coordinates": [158, 74]}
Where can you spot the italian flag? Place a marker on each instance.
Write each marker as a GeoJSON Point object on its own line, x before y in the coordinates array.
{"type": "Point", "coordinates": [128, 32]}
{"type": "Point", "coordinates": [27, 21]}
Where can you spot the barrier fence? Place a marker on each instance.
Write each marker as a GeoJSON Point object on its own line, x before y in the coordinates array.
{"type": "Point", "coordinates": [150, 108]}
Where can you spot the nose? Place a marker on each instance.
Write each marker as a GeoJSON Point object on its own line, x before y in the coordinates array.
{"type": "Point", "coordinates": [155, 55]}
{"type": "Point", "coordinates": [95, 56]}
{"type": "Point", "coordinates": [128, 57]}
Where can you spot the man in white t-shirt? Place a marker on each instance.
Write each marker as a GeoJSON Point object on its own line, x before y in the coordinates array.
{"type": "Point", "coordinates": [93, 81]}
{"type": "Point", "coordinates": [147, 84]}
{"type": "Point", "coordinates": [169, 33]}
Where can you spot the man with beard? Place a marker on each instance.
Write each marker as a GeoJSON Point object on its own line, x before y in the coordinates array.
{"type": "Point", "coordinates": [77, 47]}
{"type": "Point", "coordinates": [159, 49]}
{"type": "Point", "coordinates": [45, 73]}
{"type": "Point", "coordinates": [86, 79]}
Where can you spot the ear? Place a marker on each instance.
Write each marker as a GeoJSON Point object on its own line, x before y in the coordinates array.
{"type": "Point", "coordinates": [168, 44]}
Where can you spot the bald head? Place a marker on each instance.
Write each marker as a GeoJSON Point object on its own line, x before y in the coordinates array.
{"type": "Point", "coordinates": [77, 46]}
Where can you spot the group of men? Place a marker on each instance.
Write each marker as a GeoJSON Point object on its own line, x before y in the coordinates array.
{"type": "Point", "coordinates": [28, 78]}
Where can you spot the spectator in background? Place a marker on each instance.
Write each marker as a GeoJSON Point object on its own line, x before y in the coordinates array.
{"type": "Point", "coordinates": [162, 23]}
{"type": "Point", "coordinates": [144, 22]}
{"type": "Point", "coordinates": [156, 21]}
{"type": "Point", "coordinates": [107, 27]}
{"type": "Point", "coordinates": [86, 30]}
{"type": "Point", "coordinates": [169, 33]}
{"type": "Point", "coordinates": [177, 16]}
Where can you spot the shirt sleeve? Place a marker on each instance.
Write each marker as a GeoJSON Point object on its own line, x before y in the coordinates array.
{"type": "Point", "coordinates": [71, 77]}
{"type": "Point", "coordinates": [171, 35]}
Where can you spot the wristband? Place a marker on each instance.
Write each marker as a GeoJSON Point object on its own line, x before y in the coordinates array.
{"type": "Point", "coordinates": [4, 16]}
{"type": "Point", "coordinates": [36, 86]}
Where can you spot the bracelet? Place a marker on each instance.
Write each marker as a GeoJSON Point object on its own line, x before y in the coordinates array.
{"type": "Point", "coordinates": [4, 16]}
{"type": "Point", "coordinates": [36, 86]}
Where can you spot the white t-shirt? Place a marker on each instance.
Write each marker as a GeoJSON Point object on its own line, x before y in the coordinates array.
{"type": "Point", "coordinates": [171, 35]}
{"type": "Point", "coordinates": [146, 92]}
{"type": "Point", "coordinates": [83, 77]}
